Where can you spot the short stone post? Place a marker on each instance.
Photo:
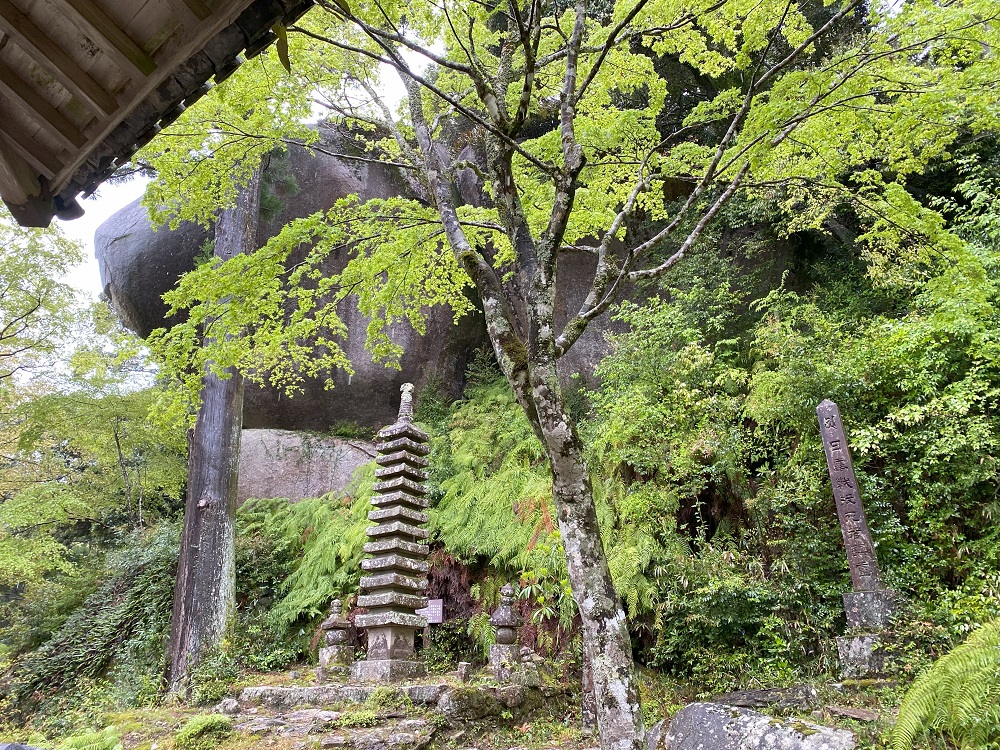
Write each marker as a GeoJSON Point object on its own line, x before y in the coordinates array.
{"type": "Point", "coordinates": [870, 605]}
{"type": "Point", "coordinates": [336, 654]}
{"type": "Point", "coordinates": [396, 576]}
{"type": "Point", "coordinates": [505, 653]}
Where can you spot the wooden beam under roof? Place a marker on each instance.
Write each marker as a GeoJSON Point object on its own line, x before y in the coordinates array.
{"type": "Point", "coordinates": [47, 116]}
{"type": "Point", "coordinates": [198, 8]}
{"type": "Point", "coordinates": [116, 43]}
{"type": "Point", "coordinates": [30, 148]}
{"type": "Point", "coordinates": [47, 54]}
{"type": "Point", "coordinates": [18, 180]}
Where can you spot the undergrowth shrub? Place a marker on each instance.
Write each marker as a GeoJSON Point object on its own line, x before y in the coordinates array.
{"type": "Point", "coordinates": [203, 732]}
{"type": "Point", "coordinates": [117, 633]}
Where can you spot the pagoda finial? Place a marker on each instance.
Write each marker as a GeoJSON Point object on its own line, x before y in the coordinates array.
{"type": "Point", "coordinates": [406, 403]}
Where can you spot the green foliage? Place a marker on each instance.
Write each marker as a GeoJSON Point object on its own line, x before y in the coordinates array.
{"type": "Point", "coordinates": [450, 643]}
{"type": "Point", "coordinates": [323, 537]}
{"type": "Point", "coordinates": [359, 718]}
{"type": "Point", "coordinates": [387, 697]}
{"type": "Point", "coordinates": [958, 698]}
{"type": "Point", "coordinates": [37, 308]}
{"type": "Point", "coordinates": [213, 677]}
{"type": "Point", "coordinates": [105, 739]}
{"type": "Point", "coordinates": [203, 732]}
{"type": "Point", "coordinates": [121, 626]}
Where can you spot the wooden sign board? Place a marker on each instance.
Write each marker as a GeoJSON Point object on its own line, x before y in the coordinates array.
{"type": "Point", "coordinates": [434, 611]}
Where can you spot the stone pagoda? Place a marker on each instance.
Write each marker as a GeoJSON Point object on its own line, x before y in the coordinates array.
{"type": "Point", "coordinates": [396, 574]}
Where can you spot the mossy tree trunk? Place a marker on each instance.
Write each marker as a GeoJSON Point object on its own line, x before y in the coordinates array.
{"type": "Point", "coordinates": [204, 595]}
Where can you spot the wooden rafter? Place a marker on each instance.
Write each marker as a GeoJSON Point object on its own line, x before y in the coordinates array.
{"type": "Point", "coordinates": [47, 116]}
{"type": "Point", "coordinates": [113, 40]}
{"type": "Point", "coordinates": [33, 151]}
{"type": "Point", "coordinates": [17, 178]}
{"type": "Point", "coordinates": [50, 56]}
{"type": "Point", "coordinates": [198, 8]}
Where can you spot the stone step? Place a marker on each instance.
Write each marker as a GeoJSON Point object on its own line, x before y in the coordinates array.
{"type": "Point", "coordinates": [401, 512]}
{"type": "Point", "coordinates": [326, 695]}
{"type": "Point", "coordinates": [394, 545]}
{"type": "Point", "coordinates": [400, 528]}
{"type": "Point", "coordinates": [420, 449]}
{"type": "Point", "coordinates": [399, 456]}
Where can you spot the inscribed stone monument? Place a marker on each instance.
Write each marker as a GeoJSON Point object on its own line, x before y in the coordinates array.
{"type": "Point", "coordinates": [396, 577]}
{"type": "Point", "coordinates": [870, 605]}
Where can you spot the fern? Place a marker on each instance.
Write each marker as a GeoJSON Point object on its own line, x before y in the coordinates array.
{"type": "Point", "coordinates": [106, 739]}
{"type": "Point", "coordinates": [326, 534]}
{"type": "Point", "coordinates": [958, 697]}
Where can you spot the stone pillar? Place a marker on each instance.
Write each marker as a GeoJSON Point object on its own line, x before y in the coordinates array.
{"type": "Point", "coordinates": [397, 572]}
{"type": "Point", "coordinates": [870, 606]}
{"type": "Point", "coordinates": [336, 654]}
{"type": "Point", "coordinates": [505, 653]}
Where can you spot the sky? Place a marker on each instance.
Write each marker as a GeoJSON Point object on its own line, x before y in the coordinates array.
{"type": "Point", "coordinates": [98, 208]}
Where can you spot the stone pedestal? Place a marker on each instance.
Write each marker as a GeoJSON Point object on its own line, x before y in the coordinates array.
{"type": "Point", "coordinates": [505, 653]}
{"type": "Point", "coordinates": [336, 654]}
{"type": "Point", "coordinates": [396, 577]}
{"type": "Point", "coordinates": [870, 609]}
{"type": "Point", "coordinates": [862, 655]}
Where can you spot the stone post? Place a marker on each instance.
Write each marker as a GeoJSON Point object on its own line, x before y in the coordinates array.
{"type": "Point", "coordinates": [397, 572]}
{"type": "Point", "coordinates": [505, 653]}
{"type": "Point", "coordinates": [870, 605]}
{"type": "Point", "coordinates": [336, 654]}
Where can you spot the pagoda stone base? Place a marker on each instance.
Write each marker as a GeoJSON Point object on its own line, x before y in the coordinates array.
{"type": "Point", "coordinates": [387, 670]}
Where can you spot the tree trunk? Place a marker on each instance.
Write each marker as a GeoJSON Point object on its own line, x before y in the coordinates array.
{"type": "Point", "coordinates": [606, 641]}
{"type": "Point", "coordinates": [205, 592]}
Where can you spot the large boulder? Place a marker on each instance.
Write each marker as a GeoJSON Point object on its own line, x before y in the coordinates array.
{"type": "Point", "coordinates": [297, 465]}
{"type": "Point", "coordinates": [712, 726]}
{"type": "Point", "coordinates": [139, 263]}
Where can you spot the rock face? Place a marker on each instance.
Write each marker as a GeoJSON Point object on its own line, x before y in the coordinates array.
{"type": "Point", "coordinates": [710, 726]}
{"type": "Point", "coordinates": [139, 264]}
{"type": "Point", "coordinates": [295, 465]}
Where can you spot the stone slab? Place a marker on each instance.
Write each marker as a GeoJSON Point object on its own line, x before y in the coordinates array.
{"type": "Point", "coordinates": [398, 511]}
{"type": "Point", "coordinates": [395, 562]}
{"type": "Point", "coordinates": [392, 599]}
{"type": "Point", "coordinates": [401, 430]}
{"type": "Point", "coordinates": [389, 459]}
{"type": "Point", "coordinates": [396, 580]}
{"type": "Point", "coordinates": [397, 527]}
{"type": "Point", "coordinates": [396, 498]}
{"type": "Point", "coordinates": [710, 726]}
{"type": "Point", "coordinates": [401, 469]}
{"type": "Point", "coordinates": [387, 670]}
{"type": "Point", "coordinates": [871, 609]}
{"type": "Point", "coordinates": [393, 545]}
{"type": "Point", "coordinates": [383, 619]}
{"type": "Point", "coordinates": [403, 443]}
{"type": "Point", "coordinates": [400, 483]}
